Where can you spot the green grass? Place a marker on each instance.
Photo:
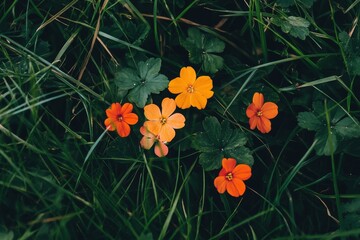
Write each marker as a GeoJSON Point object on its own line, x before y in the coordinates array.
{"type": "Point", "coordinates": [63, 176]}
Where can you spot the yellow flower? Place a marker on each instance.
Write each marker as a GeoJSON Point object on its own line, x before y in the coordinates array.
{"type": "Point", "coordinates": [192, 91]}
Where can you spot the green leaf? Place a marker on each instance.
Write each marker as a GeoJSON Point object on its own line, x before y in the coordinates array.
{"type": "Point", "coordinates": [351, 211]}
{"type": "Point", "coordinates": [352, 52]}
{"type": "Point", "coordinates": [126, 79]}
{"type": "Point", "coordinates": [326, 143]}
{"type": "Point", "coordinates": [213, 129]}
{"type": "Point", "coordinates": [201, 48]}
{"type": "Point", "coordinates": [143, 82]}
{"type": "Point", "coordinates": [211, 160]}
{"type": "Point", "coordinates": [309, 121]}
{"type": "Point", "coordinates": [347, 128]}
{"type": "Point", "coordinates": [241, 154]}
{"type": "Point", "coordinates": [295, 26]}
{"type": "Point", "coordinates": [219, 141]}
{"type": "Point", "coordinates": [212, 63]}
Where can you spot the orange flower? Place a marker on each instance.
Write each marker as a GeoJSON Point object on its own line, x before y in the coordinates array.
{"type": "Point", "coordinates": [119, 118]}
{"type": "Point", "coordinates": [260, 113]}
{"type": "Point", "coordinates": [231, 177]}
{"type": "Point", "coordinates": [148, 140]}
{"type": "Point", "coordinates": [193, 91]}
{"type": "Point", "coordinates": [162, 123]}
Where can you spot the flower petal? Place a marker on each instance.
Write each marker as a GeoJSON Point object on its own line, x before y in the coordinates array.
{"type": "Point", "coordinates": [176, 121]}
{"type": "Point", "coordinates": [242, 171]}
{"type": "Point", "coordinates": [188, 75]}
{"type": "Point", "coordinates": [228, 164]}
{"type": "Point", "coordinates": [153, 126]}
{"type": "Point", "coordinates": [123, 129]}
{"type": "Point", "coordinates": [269, 110]}
{"type": "Point", "coordinates": [152, 112]}
{"type": "Point", "coordinates": [167, 133]}
{"type": "Point", "coordinates": [126, 108]}
{"type": "Point", "coordinates": [220, 183]}
{"type": "Point", "coordinates": [130, 118]}
{"type": "Point", "coordinates": [183, 100]}
{"type": "Point", "coordinates": [253, 122]}
{"type": "Point", "coordinates": [232, 189]}
{"type": "Point", "coordinates": [239, 185]}
{"type": "Point", "coordinates": [114, 110]}
{"type": "Point", "coordinates": [148, 139]}
{"type": "Point", "coordinates": [264, 125]}
{"type": "Point", "coordinates": [110, 124]}
{"type": "Point", "coordinates": [168, 106]}
{"type": "Point", "coordinates": [197, 100]}
{"type": "Point", "coordinates": [251, 110]}
{"type": "Point", "coordinates": [177, 85]}
{"type": "Point", "coordinates": [203, 85]}
{"type": "Point", "coordinates": [222, 172]}
{"type": "Point", "coordinates": [161, 150]}
{"type": "Point", "coordinates": [258, 100]}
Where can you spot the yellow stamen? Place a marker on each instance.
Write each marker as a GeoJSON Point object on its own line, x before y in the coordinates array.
{"type": "Point", "coordinates": [259, 113]}
{"type": "Point", "coordinates": [163, 120]}
{"type": "Point", "coordinates": [190, 89]}
{"type": "Point", "coordinates": [119, 118]}
{"type": "Point", "coordinates": [229, 176]}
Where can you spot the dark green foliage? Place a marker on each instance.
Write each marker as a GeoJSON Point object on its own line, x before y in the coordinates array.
{"type": "Point", "coordinates": [295, 26]}
{"type": "Point", "coordinates": [219, 141]}
{"type": "Point", "coordinates": [141, 82]}
{"type": "Point", "coordinates": [328, 137]}
{"type": "Point", "coordinates": [203, 49]}
{"type": "Point", "coordinates": [63, 176]}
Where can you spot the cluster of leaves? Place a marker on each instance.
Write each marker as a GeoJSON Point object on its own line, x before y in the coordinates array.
{"type": "Point", "coordinates": [139, 83]}
{"type": "Point", "coordinates": [219, 141]}
{"type": "Point", "coordinates": [203, 49]}
{"type": "Point", "coordinates": [332, 125]}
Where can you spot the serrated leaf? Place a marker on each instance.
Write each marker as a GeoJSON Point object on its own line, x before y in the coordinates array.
{"type": "Point", "coordinates": [326, 143]}
{"type": "Point", "coordinates": [213, 128]}
{"type": "Point", "coordinates": [210, 160]}
{"type": "Point", "coordinates": [219, 141]}
{"type": "Point", "coordinates": [202, 143]}
{"type": "Point", "coordinates": [201, 48]}
{"type": "Point", "coordinates": [309, 121]}
{"type": "Point", "coordinates": [347, 128]}
{"type": "Point", "coordinates": [352, 51]}
{"type": "Point", "coordinates": [126, 79]}
{"type": "Point", "coordinates": [241, 154]}
{"type": "Point", "coordinates": [212, 63]}
{"type": "Point", "coordinates": [143, 82]}
{"type": "Point", "coordinates": [295, 26]}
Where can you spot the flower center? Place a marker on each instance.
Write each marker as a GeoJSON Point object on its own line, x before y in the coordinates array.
{"type": "Point", "coordinates": [259, 113]}
{"type": "Point", "coordinates": [163, 120]}
{"type": "Point", "coordinates": [119, 118]}
{"type": "Point", "coordinates": [190, 89]}
{"type": "Point", "coordinates": [229, 176]}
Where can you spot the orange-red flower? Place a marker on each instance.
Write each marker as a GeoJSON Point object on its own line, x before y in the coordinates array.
{"type": "Point", "coordinates": [260, 113]}
{"type": "Point", "coordinates": [149, 139]}
{"type": "Point", "coordinates": [192, 91]}
{"type": "Point", "coordinates": [231, 177]}
{"type": "Point", "coordinates": [119, 118]}
{"type": "Point", "coordinates": [162, 123]}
